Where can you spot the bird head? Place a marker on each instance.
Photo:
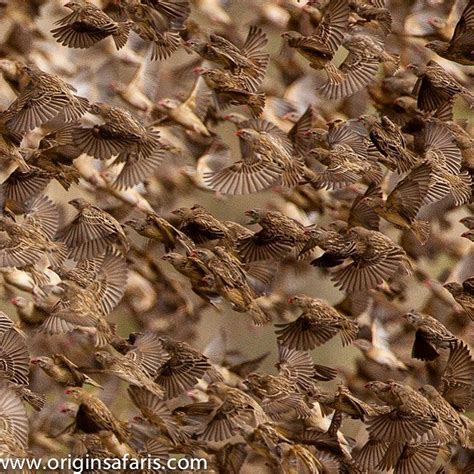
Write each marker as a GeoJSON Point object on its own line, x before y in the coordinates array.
{"type": "Point", "coordinates": [428, 390]}
{"type": "Point", "coordinates": [314, 231]}
{"type": "Point", "coordinates": [194, 43]}
{"type": "Point", "coordinates": [376, 203]}
{"type": "Point", "coordinates": [209, 281]}
{"type": "Point", "coordinates": [290, 35]}
{"type": "Point", "coordinates": [78, 203]}
{"type": "Point", "coordinates": [367, 119]}
{"type": "Point", "coordinates": [437, 46]}
{"type": "Point", "coordinates": [169, 104]}
{"type": "Point", "coordinates": [42, 362]}
{"type": "Point", "coordinates": [316, 133]}
{"type": "Point", "coordinates": [73, 6]}
{"type": "Point", "coordinates": [201, 254]}
{"type": "Point", "coordinates": [453, 287]}
{"type": "Point", "coordinates": [377, 387]}
{"type": "Point", "coordinates": [199, 71]}
{"type": "Point", "coordinates": [413, 317]}
{"type": "Point", "coordinates": [254, 215]}
{"type": "Point", "coordinates": [292, 116]}
{"type": "Point", "coordinates": [437, 23]}
{"type": "Point", "coordinates": [296, 300]}
{"type": "Point", "coordinates": [246, 134]}
{"type": "Point", "coordinates": [116, 86]}
{"type": "Point", "coordinates": [180, 211]}
{"type": "Point", "coordinates": [171, 257]}
{"type": "Point", "coordinates": [96, 108]}
{"type": "Point", "coordinates": [19, 301]}
{"type": "Point", "coordinates": [415, 69]}
{"type": "Point", "coordinates": [235, 117]}
{"type": "Point", "coordinates": [135, 224]}
{"type": "Point", "coordinates": [75, 392]}
{"type": "Point", "coordinates": [104, 358]}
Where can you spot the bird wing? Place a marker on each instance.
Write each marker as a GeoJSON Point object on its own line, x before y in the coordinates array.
{"type": "Point", "coordinates": [333, 24]}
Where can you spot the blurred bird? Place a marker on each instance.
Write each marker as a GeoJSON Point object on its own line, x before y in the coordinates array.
{"type": "Point", "coordinates": [126, 368]}
{"type": "Point", "coordinates": [34, 238]}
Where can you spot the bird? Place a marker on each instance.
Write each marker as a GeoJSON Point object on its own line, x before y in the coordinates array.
{"type": "Point", "coordinates": [456, 380]}
{"type": "Point", "coordinates": [390, 142]}
{"type": "Point", "coordinates": [199, 224]}
{"type": "Point", "coordinates": [92, 231]}
{"type": "Point", "coordinates": [249, 60]}
{"type": "Point", "coordinates": [430, 336]}
{"type": "Point", "coordinates": [320, 47]}
{"type": "Point", "coordinates": [182, 368]}
{"type": "Point", "coordinates": [266, 157]}
{"type": "Point", "coordinates": [232, 90]}
{"type": "Point", "coordinates": [15, 429]}
{"type": "Point", "coordinates": [278, 236]}
{"type": "Point", "coordinates": [86, 25]}
{"type": "Point", "coordinates": [357, 71]}
{"type": "Point", "coordinates": [453, 422]}
{"type": "Point", "coordinates": [14, 353]}
{"type": "Point", "coordinates": [410, 414]}
{"type": "Point", "coordinates": [63, 371]}
{"type": "Point", "coordinates": [459, 47]}
{"type": "Point", "coordinates": [463, 294]}
{"type": "Point", "coordinates": [318, 323]}
{"type": "Point", "coordinates": [190, 113]}
{"type": "Point", "coordinates": [121, 134]}
{"type": "Point", "coordinates": [35, 237]}
{"type": "Point", "coordinates": [404, 202]}
{"type": "Point", "coordinates": [435, 86]}
{"type": "Point", "coordinates": [157, 413]}
{"type": "Point", "coordinates": [128, 369]}
{"type": "Point", "coordinates": [157, 228]}
{"type": "Point", "coordinates": [45, 97]}
{"type": "Point", "coordinates": [93, 415]}
{"type": "Point", "coordinates": [374, 259]}
{"type": "Point", "coordinates": [227, 276]}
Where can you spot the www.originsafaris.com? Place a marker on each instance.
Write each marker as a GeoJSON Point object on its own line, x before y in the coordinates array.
{"type": "Point", "coordinates": [85, 463]}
